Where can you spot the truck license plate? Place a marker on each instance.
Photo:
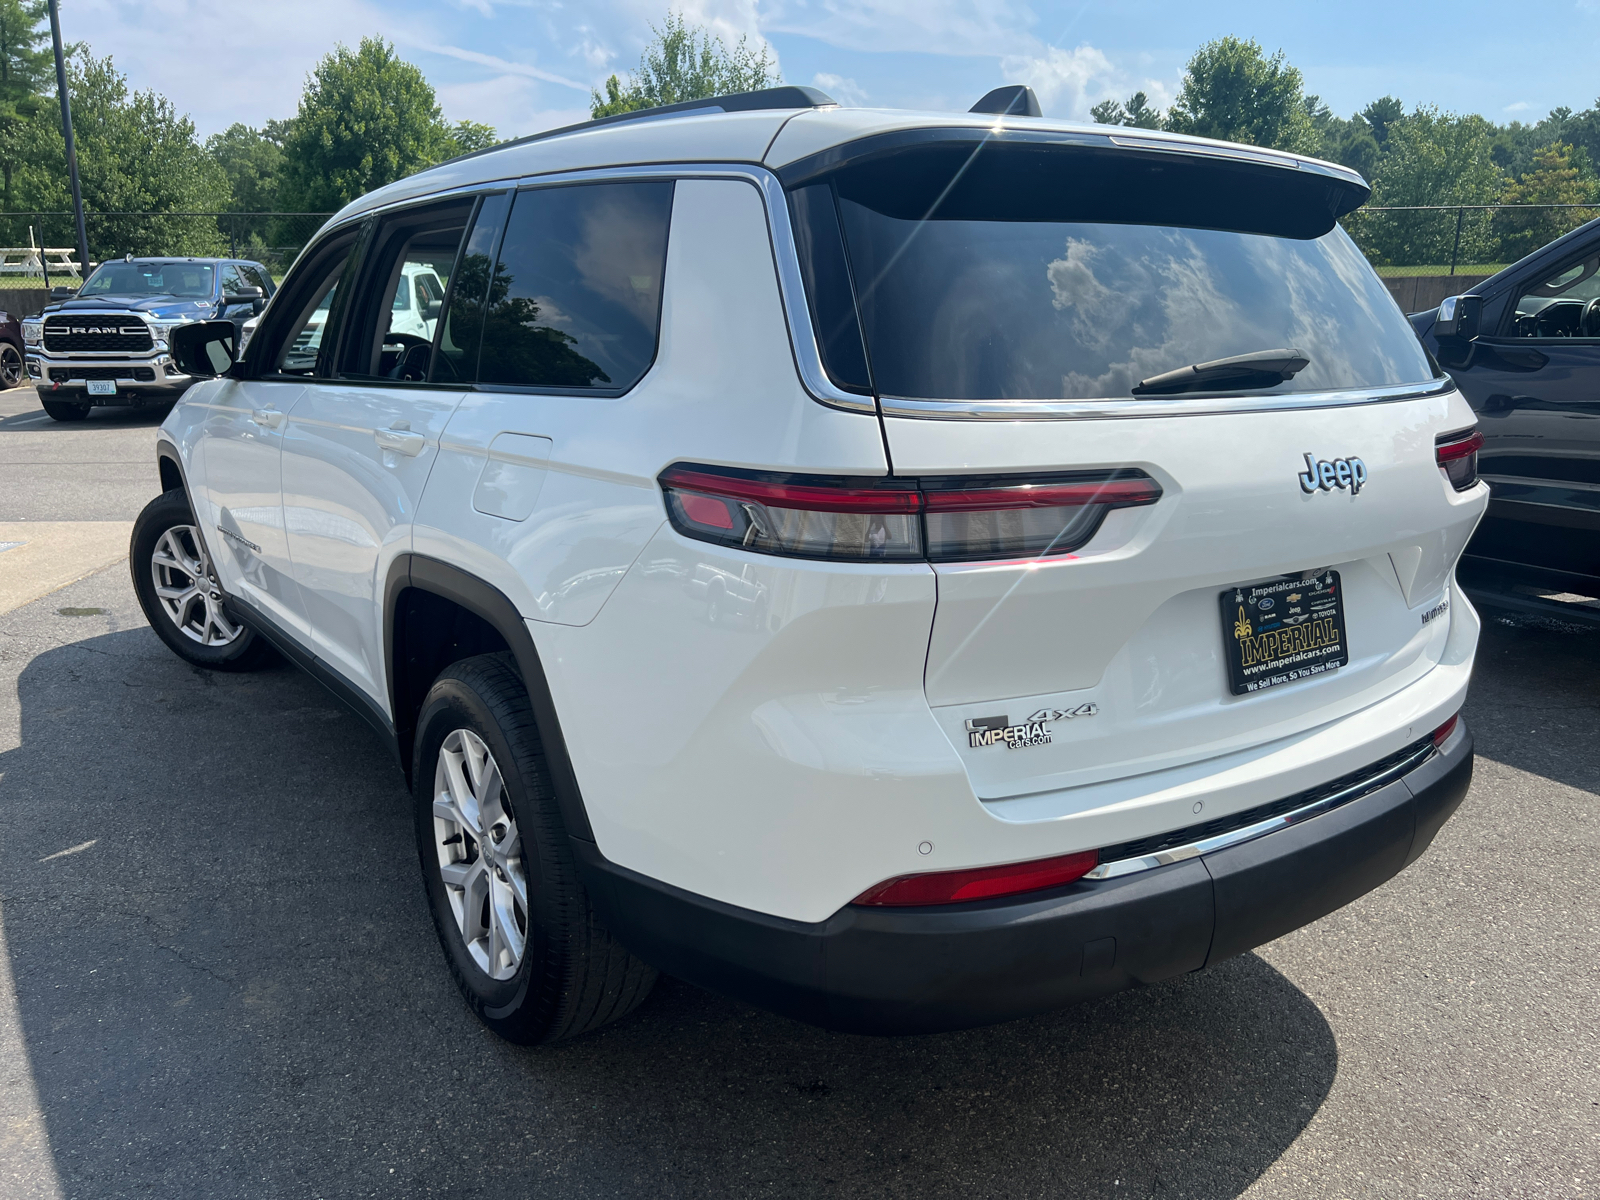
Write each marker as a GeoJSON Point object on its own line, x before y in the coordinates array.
{"type": "Point", "coordinates": [102, 387]}
{"type": "Point", "coordinates": [1279, 632]}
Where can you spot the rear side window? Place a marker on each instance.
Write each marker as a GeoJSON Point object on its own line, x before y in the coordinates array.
{"type": "Point", "coordinates": [1019, 274]}
{"type": "Point", "coordinates": [575, 299]}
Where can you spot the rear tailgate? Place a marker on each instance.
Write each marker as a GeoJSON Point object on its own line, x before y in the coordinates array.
{"type": "Point", "coordinates": [1121, 646]}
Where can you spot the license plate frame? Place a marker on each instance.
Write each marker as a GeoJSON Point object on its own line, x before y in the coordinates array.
{"type": "Point", "coordinates": [1298, 633]}
{"type": "Point", "coordinates": [102, 387]}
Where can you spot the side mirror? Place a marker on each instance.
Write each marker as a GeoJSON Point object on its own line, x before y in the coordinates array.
{"type": "Point", "coordinates": [203, 349]}
{"type": "Point", "coordinates": [253, 296]}
{"type": "Point", "coordinates": [1459, 317]}
{"type": "Point", "coordinates": [432, 311]}
{"type": "Point", "coordinates": [63, 293]}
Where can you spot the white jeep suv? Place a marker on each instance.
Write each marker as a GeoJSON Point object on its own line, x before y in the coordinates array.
{"type": "Point", "coordinates": [905, 570]}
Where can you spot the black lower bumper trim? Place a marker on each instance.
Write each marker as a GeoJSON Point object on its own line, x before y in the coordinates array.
{"type": "Point", "coordinates": [882, 970]}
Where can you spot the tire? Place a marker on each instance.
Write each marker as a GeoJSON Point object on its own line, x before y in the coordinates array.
{"type": "Point", "coordinates": [570, 976]}
{"type": "Point", "coordinates": [64, 410]}
{"type": "Point", "coordinates": [167, 556]}
{"type": "Point", "coordinates": [12, 369]}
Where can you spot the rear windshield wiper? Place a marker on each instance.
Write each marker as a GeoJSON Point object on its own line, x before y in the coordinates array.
{"type": "Point", "coordinates": [1262, 369]}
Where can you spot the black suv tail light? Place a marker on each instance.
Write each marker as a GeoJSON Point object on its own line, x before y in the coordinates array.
{"type": "Point", "coordinates": [898, 520]}
{"type": "Point", "coordinates": [1457, 454]}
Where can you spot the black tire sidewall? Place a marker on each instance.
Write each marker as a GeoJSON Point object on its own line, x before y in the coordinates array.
{"type": "Point", "coordinates": [509, 1007]}
{"type": "Point", "coordinates": [160, 515]}
{"type": "Point", "coordinates": [64, 410]}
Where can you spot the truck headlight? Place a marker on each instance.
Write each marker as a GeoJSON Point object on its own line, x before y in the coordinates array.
{"type": "Point", "coordinates": [33, 332]}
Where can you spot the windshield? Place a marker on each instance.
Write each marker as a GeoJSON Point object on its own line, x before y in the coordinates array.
{"type": "Point", "coordinates": [190, 281]}
{"type": "Point", "coordinates": [980, 293]}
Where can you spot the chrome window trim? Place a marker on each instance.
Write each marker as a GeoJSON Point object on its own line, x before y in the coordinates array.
{"type": "Point", "coordinates": [1234, 837]}
{"type": "Point", "coordinates": [1125, 407]}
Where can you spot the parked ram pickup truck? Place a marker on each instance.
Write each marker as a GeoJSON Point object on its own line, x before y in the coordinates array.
{"type": "Point", "coordinates": [106, 343]}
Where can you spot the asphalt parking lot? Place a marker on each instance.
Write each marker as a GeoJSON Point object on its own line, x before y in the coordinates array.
{"type": "Point", "coordinates": [218, 977]}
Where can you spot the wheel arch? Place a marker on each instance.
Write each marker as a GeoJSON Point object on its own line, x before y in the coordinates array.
{"type": "Point", "coordinates": [170, 465]}
{"type": "Point", "coordinates": [420, 589]}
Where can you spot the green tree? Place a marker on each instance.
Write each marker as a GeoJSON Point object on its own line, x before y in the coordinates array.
{"type": "Point", "coordinates": [252, 159]}
{"type": "Point", "coordinates": [1134, 111]}
{"type": "Point", "coordinates": [1555, 178]}
{"type": "Point", "coordinates": [25, 74]}
{"type": "Point", "coordinates": [367, 117]}
{"type": "Point", "coordinates": [1380, 115]}
{"type": "Point", "coordinates": [464, 137]}
{"type": "Point", "coordinates": [135, 154]}
{"type": "Point", "coordinates": [685, 62]}
{"type": "Point", "coordinates": [1432, 158]}
{"type": "Point", "coordinates": [1232, 91]}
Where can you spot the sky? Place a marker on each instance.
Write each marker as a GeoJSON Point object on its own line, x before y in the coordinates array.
{"type": "Point", "coordinates": [527, 65]}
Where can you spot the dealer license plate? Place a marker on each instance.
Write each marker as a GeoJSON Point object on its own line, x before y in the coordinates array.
{"type": "Point", "coordinates": [1279, 632]}
{"type": "Point", "coordinates": [102, 387]}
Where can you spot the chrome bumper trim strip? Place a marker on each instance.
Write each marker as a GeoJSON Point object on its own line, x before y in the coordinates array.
{"type": "Point", "coordinates": [1161, 858]}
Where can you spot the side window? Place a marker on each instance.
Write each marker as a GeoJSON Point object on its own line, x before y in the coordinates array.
{"type": "Point", "coordinates": [455, 358]}
{"type": "Point", "coordinates": [575, 299]}
{"type": "Point", "coordinates": [1565, 305]}
{"type": "Point", "coordinates": [256, 277]}
{"type": "Point", "coordinates": [294, 346]}
{"type": "Point", "coordinates": [392, 334]}
{"type": "Point", "coordinates": [232, 281]}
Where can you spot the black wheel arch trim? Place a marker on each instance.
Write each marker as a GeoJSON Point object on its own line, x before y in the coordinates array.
{"type": "Point", "coordinates": [488, 602]}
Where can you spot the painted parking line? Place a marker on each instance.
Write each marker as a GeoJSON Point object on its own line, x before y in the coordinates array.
{"type": "Point", "coordinates": [39, 557]}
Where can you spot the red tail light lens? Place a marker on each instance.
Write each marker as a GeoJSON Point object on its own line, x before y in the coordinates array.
{"type": "Point", "coordinates": [1442, 734]}
{"type": "Point", "coordinates": [1457, 454]}
{"type": "Point", "coordinates": [980, 883]}
{"type": "Point", "coordinates": [941, 520]}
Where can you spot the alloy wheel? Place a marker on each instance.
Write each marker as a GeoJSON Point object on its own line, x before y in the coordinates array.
{"type": "Point", "coordinates": [11, 368]}
{"type": "Point", "coordinates": [480, 854]}
{"type": "Point", "coordinates": [187, 588]}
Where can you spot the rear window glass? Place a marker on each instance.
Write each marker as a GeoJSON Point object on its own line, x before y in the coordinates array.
{"type": "Point", "coordinates": [995, 290]}
{"type": "Point", "coordinates": [576, 297]}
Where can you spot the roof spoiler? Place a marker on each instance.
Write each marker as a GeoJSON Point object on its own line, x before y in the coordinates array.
{"type": "Point", "coordinates": [1013, 100]}
{"type": "Point", "coordinates": [767, 98]}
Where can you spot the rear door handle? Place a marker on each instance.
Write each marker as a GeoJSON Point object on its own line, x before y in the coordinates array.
{"type": "Point", "coordinates": [400, 441]}
{"type": "Point", "coordinates": [271, 418]}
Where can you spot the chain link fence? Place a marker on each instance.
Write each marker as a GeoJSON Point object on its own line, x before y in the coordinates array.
{"type": "Point", "coordinates": [1459, 239]}
{"type": "Point", "coordinates": [33, 245]}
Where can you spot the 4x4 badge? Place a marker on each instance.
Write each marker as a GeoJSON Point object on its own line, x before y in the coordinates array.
{"type": "Point", "coordinates": [999, 731]}
{"type": "Point", "coordinates": [1338, 473]}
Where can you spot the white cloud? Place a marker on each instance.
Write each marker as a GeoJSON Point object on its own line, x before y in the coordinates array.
{"type": "Point", "coordinates": [955, 27]}
{"type": "Point", "coordinates": [511, 68]}
{"type": "Point", "coordinates": [1519, 106]}
{"type": "Point", "coordinates": [1060, 77]}
{"type": "Point", "coordinates": [845, 91]}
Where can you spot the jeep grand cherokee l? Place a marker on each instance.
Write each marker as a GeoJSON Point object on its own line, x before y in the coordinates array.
{"type": "Point", "coordinates": [906, 570]}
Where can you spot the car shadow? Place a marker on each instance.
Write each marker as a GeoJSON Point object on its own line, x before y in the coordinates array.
{"type": "Point", "coordinates": [228, 985]}
{"type": "Point", "coordinates": [1535, 697]}
{"type": "Point", "coordinates": [120, 416]}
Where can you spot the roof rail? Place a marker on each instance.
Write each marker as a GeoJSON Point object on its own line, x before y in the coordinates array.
{"type": "Point", "coordinates": [767, 98]}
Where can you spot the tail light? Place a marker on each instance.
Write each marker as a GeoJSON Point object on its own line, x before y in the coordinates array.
{"type": "Point", "coordinates": [906, 520]}
{"type": "Point", "coordinates": [1457, 454]}
{"type": "Point", "coordinates": [980, 883]}
{"type": "Point", "coordinates": [1442, 734]}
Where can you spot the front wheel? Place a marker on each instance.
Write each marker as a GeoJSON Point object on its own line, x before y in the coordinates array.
{"type": "Point", "coordinates": [12, 372]}
{"type": "Point", "coordinates": [178, 590]}
{"type": "Point", "coordinates": [526, 949]}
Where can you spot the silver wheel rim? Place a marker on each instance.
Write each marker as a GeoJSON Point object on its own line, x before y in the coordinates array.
{"type": "Point", "coordinates": [10, 366]}
{"type": "Point", "coordinates": [480, 854]}
{"type": "Point", "coordinates": [187, 588]}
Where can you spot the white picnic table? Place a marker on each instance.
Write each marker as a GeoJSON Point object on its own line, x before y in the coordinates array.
{"type": "Point", "coordinates": [32, 261]}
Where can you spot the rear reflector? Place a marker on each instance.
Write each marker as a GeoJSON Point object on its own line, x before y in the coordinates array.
{"type": "Point", "coordinates": [980, 883]}
{"type": "Point", "coordinates": [938, 520]}
{"type": "Point", "coordinates": [1442, 734]}
{"type": "Point", "coordinates": [1457, 455]}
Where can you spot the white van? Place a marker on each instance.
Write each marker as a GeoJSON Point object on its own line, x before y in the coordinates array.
{"type": "Point", "coordinates": [907, 570]}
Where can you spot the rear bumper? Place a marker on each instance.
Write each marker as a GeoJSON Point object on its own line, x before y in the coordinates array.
{"type": "Point", "coordinates": [875, 970]}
